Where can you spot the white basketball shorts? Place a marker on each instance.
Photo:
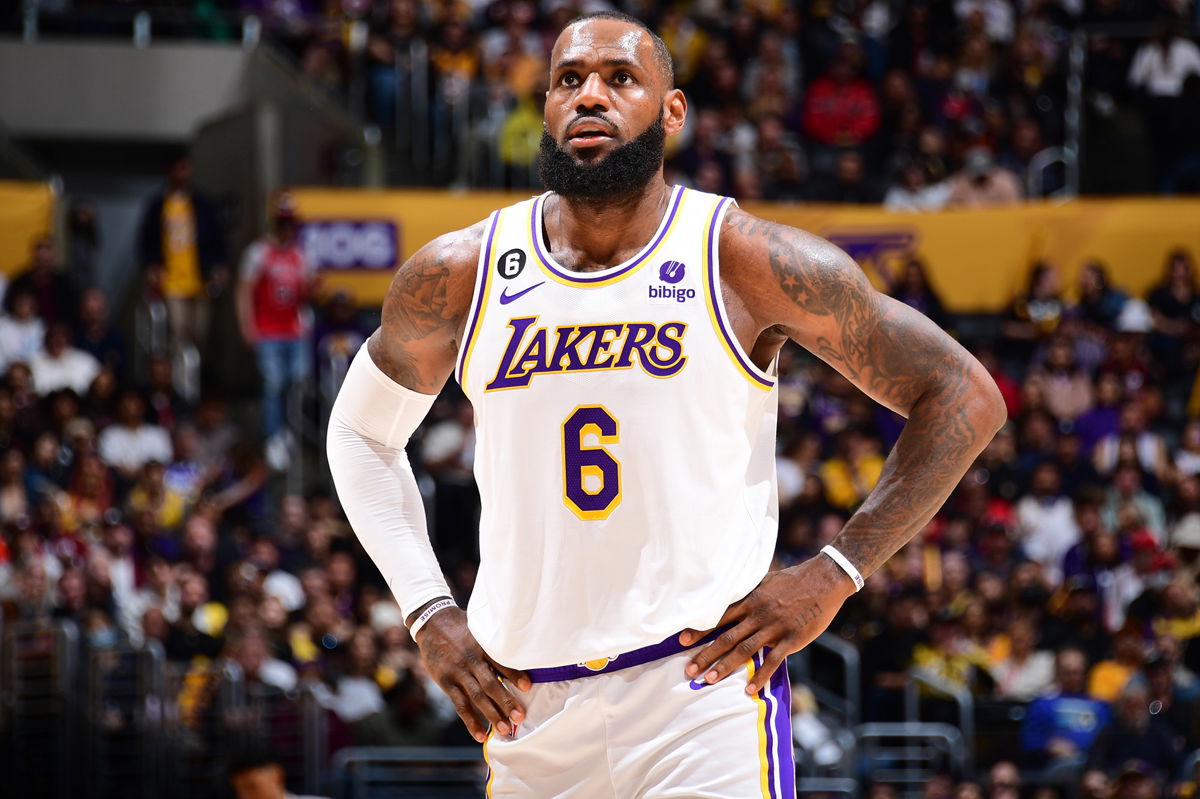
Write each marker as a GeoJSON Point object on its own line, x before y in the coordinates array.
{"type": "Point", "coordinates": [644, 731]}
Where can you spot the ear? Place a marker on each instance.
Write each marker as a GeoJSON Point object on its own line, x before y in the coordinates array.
{"type": "Point", "coordinates": [674, 111]}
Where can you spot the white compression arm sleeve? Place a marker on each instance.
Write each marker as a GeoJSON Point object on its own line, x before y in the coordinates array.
{"type": "Point", "coordinates": [372, 420]}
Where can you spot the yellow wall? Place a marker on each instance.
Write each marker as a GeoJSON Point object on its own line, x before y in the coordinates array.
{"type": "Point", "coordinates": [26, 211]}
{"type": "Point", "coordinates": [976, 259]}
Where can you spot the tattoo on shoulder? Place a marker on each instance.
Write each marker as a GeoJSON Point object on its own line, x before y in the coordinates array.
{"type": "Point", "coordinates": [418, 300]}
{"type": "Point", "coordinates": [892, 354]}
{"type": "Point", "coordinates": [420, 312]}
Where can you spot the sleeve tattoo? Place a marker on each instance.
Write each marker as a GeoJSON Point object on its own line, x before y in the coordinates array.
{"type": "Point", "coordinates": [899, 358]}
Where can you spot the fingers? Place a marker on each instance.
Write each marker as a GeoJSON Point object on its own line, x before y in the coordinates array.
{"type": "Point", "coordinates": [476, 725]}
{"type": "Point", "coordinates": [514, 676]}
{"type": "Point", "coordinates": [499, 705]}
{"type": "Point", "coordinates": [727, 652]}
{"type": "Point", "coordinates": [774, 659]}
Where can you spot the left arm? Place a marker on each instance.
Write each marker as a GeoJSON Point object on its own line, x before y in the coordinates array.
{"type": "Point", "coordinates": [782, 283]}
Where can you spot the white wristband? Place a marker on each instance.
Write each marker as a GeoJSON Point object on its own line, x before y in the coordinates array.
{"type": "Point", "coordinates": [427, 614]}
{"type": "Point", "coordinates": [845, 564]}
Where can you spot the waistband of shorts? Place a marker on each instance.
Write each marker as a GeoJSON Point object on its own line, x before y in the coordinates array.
{"type": "Point", "coordinates": [636, 657]}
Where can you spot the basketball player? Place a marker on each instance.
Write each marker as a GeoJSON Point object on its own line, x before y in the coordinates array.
{"type": "Point", "coordinates": [617, 337]}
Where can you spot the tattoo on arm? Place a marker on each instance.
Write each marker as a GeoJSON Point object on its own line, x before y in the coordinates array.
{"type": "Point", "coordinates": [901, 359]}
{"type": "Point", "coordinates": [415, 344]}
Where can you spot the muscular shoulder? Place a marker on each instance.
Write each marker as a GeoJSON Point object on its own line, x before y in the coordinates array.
{"type": "Point", "coordinates": [425, 310]}
{"type": "Point", "coordinates": [777, 269]}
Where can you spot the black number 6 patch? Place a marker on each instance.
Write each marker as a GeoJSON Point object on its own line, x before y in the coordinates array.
{"type": "Point", "coordinates": [511, 263]}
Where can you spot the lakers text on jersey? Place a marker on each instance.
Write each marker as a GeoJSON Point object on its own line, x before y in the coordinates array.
{"type": "Point", "coordinates": [625, 442]}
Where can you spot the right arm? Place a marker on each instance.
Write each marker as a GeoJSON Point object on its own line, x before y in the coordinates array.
{"type": "Point", "coordinates": [393, 382]}
{"type": "Point", "coordinates": [244, 296]}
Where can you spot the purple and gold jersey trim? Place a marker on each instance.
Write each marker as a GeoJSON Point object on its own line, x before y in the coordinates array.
{"type": "Point", "coordinates": [716, 307]}
{"type": "Point", "coordinates": [776, 761]}
{"type": "Point", "coordinates": [607, 276]}
{"type": "Point", "coordinates": [480, 303]}
{"type": "Point", "coordinates": [665, 648]}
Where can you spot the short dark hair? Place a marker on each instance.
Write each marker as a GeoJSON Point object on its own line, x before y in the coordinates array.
{"type": "Point", "coordinates": [662, 56]}
{"type": "Point", "coordinates": [252, 758]}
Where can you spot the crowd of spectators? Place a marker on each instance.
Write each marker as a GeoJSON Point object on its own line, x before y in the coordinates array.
{"type": "Point", "coordinates": [920, 104]}
{"type": "Point", "coordinates": [1059, 581]}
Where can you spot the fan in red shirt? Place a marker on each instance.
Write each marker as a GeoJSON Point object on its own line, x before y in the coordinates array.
{"type": "Point", "coordinates": [274, 287]}
{"type": "Point", "coordinates": [841, 108]}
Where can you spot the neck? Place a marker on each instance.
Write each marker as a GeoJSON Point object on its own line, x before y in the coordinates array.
{"type": "Point", "coordinates": [587, 235]}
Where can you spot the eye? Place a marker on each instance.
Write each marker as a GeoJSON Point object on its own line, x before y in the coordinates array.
{"type": "Point", "coordinates": [623, 78]}
{"type": "Point", "coordinates": [569, 79]}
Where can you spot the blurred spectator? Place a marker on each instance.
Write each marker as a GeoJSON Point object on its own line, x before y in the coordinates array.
{"type": "Point", "coordinates": [1027, 672]}
{"type": "Point", "coordinates": [1061, 726]}
{"type": "Point", "coordinates": [275, 283]}
{"type": "Point", "coordinates": [1129, 504]}
{"type": "Point", "coordinates": [58, 365]}
{"type": "Point", "coordinates": [22, 331]}
{"type": "Point", "coordinates": [53, 293]}
{"type": "Point", "coordinates": [1133, 443]}
{"type": "Point", "coordinates": [912, 288]}
{"type": "Point", "coordinates": [1004, 781]}
{"type": "Point", "coordinates": [1099, 302]}
{"type": "Point", "coordinates": [1175, 305]}
{"type": "Point", "coordinates": [1066, 387]}
{"type": "Point", "coordinates": [1134, 733]}
{"type": "Point", "coordinates": [1108, 678]}
{"type": "Point", "coordinates": [841, 108]}
{"type": "Point", "coordinates": [848, 185]}
{"type": "Point", "coordinates": [337, 336]}
{"type": "Point", "coordinates": [1046, 520]}
{"type": "Point", "coordinates": [981, 183]}
{"type": "Point", "coordinates": [182, 254]}
{"type": "Point", "coordinates": [780, 161]}
{"type": "Point", "coordinates": [1160, 67]}
{"type": "Point", "coordinates": [853, 471]}
{"type": "Point", "coordinates": [1037, 312]}
{"type": "Point", "coordinates": [94, 333]}
{"type": "Point", "coordinates": [912, 190]}
{"type": "Point", "coordinates": [255, 773]}
{"type": "Point", "coordinates": [130, 443]}
{"type": "Point", "coordinates": [82, 242]}
{"type": "Point", "coordinates": [1136, 781]}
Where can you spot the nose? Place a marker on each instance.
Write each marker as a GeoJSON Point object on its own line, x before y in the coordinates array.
{"type": "Point", "coordinates": [593, 94]}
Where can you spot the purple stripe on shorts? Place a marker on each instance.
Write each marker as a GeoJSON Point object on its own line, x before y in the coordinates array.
{"type": "Point", "coordinates": [768, 699]}
{"type": "Point", "coordinates": [665, 648]}
{"type": "Point", "coordinates": [713, 288]}
{"type": "Point", "coordinates": [780, 690]}
{"type": "Point", "coordinates": [576, 277]}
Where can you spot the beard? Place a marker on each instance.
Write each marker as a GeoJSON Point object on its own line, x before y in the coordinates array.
{"type": "Point", "coordinates": [622, 173]}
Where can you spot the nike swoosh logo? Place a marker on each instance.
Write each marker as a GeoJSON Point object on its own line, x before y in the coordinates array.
{"type": "Point", "coordinates": [696, 686]}
{"type": "Point", "coordinates": [506, 298]}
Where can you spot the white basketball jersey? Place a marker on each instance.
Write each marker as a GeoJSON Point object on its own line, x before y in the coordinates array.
{"type": "Point", "coordinates": [625, 443]}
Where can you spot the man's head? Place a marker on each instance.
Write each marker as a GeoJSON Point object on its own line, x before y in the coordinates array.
{"type": "Point", "coordinates": [179, 174]}
{"type": "Point", "coordinates": [1070, 669]}
{"type": "Point", "coordinates": [1004, 780]}
{"type": "Point", "coordinates": [611, 104]}
{"type": "Point", "coordinates": [44, 253]}
{"type": "Point", "coordinates": [256, 774]}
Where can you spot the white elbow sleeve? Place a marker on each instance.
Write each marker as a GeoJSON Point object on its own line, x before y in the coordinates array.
{"type": "Point", "coordinates": [371, 421]}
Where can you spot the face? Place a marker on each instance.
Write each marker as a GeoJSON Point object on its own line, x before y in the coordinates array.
{"type": "Point", "coordinates": [1071, 670]}
{"type": "Point", "coordinates": [606, 102]}
{"type": "Point", "coordinates": [259, 783]}
{"type": "Point", "coordinates": [43, 254]}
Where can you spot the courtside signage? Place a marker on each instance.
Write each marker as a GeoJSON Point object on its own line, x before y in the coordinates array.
{"type": "Point", "coordinates": [351, 243]}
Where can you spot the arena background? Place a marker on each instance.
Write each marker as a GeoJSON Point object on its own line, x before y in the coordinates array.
{"type": "Point", "coordinates": [178, 588]}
